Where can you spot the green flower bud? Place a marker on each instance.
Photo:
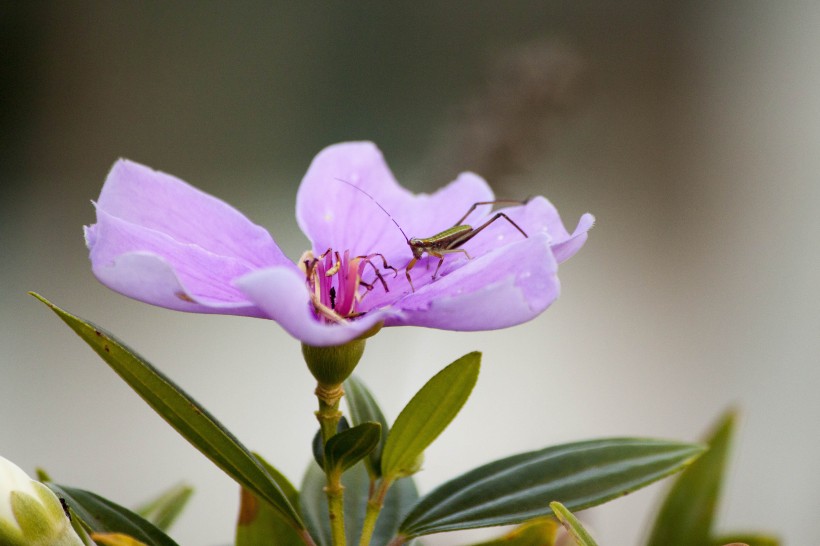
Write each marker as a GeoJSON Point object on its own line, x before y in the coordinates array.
{"type": "Point", "coordinates": [30, 513]}
{"type": "Point", "coordinates": [332, 365]}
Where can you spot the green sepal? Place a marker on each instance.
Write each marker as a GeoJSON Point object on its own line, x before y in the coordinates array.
{"type": "Point", "coordinates": [363, 408]}
{"type": "Point", "coordinates": [332, 365]}
{"type": "Point", "coordinates": [572, 525]}
{"type": "Point", "coordinates": [183, 413]}
{"type": "Point", "coordinates": [747, 539]}
{"type": "Point", "coordinates": [514, 489]}
{"type": "Point", "coordinates": [536, 532]}
{"type": "Point", "coordinates": [687, 514]}
{"type": "Point", "coordinates": [100, 515]}
{"type": "Point", "coordinates": [163, 510]}
{"type": "Point", "coordinates": [348, 447]}
{"type": "Point", "coordinates": [258, 524]}
{"type": "Point", "coordinates": [427, 415]}
{"type": "Point", "coordinates": [356, 481]}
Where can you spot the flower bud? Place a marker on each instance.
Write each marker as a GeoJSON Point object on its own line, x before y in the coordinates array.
{"type": "Point", "coordinates": [332, 365]}
{"type": "Point", "coordinates": [30, 513]}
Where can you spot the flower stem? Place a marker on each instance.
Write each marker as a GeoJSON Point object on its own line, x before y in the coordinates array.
{"type": "Point", "coordinates": [328, 413]}
{"type": "Point", "coordinates": [374, 507]}
{"type": "Point", "coordinates": [329, 416]}
{"type": "Point", "coordinates": [335, 507]}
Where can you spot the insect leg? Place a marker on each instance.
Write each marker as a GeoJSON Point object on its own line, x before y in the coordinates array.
{"type": "Point", "coordinates": [499, 202]}
{"type": "Point", "coordinates": [440, 255]}
{"type": "Point", "coordinates": [470, 234]}
{"type": "Point", "coordinates": [407, 269]}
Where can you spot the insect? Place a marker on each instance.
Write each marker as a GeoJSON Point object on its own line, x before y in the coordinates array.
{"type": "Point", "coordinates": [448, 241]}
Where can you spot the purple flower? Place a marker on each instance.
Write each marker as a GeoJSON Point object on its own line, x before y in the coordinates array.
{"type": "Point", "coordinates": [159, 240]}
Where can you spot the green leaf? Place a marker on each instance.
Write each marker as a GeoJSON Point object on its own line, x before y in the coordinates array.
{"type": "Point", "coordinates": [164, 510]}
{"type": "Point", "coordinates": [517, 488]}
{"type": "Point", "coordinates": [103, 516]}
{"type": "Point", "coordinates": [686, 515]}
{"type": "Point", "coordinates": [115, 539]}
{"type": "Point", "coordinates": [536, 532]}
{"type": "Point", "coordinates": [259, 524]}
{"type": "Point", "coordinates": [427, 415]}
{"type": "Point", "coordinates": [183, 413]}
{"type": "Point", "coordinates": [748, 539]}
{"type": "Point", "coordinates": [313, 501]}
{"type": "Point", "coordinates": [317, 445]}
{"type": "Point", "coordinates": [572, 525]}
{"type": "Point", "coordinates": [363, 408]}
{"type": "Point", "coordinates": [349, 447]}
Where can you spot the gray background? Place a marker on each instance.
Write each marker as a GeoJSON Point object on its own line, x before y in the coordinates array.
{"type": "Point", "coordinates": [691, 130]}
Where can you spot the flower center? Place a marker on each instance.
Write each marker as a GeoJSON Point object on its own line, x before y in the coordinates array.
{"type": "Point", "coordinates": [335, 282]}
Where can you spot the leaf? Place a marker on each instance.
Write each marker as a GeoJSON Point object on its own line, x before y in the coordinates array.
{"type": "Point", "coordinates": [427, 415]}
{"type": "Point", "coordinates": [183, 413]}
{"type": "Point", "coordinates": [103, 516]}
{"type": "Point", "coordinates": [363, 408]}
{"type": "Point", "coordinates": [115, 539]}
{"type": "Point", "coordinates": [686, 515]}
{"type": "Point", "coordinates": [259, 524]}
{"type": "Point", "coordinates": [313, 501]}
{"type": "Point", "coordinates": [316, 445]}
{"type": "Point", "coordinates": [572, 525]}
{"type": "Point", "coordinates": [517, 488]}
{"type": "Point", "coordinates": [164, 510]}
{"type": "Point", "coordinates": [349, 447]}
{"type": "Point", "coordinates": [536, 532]}
{"type": "Point", "coordinates": [746, 539]}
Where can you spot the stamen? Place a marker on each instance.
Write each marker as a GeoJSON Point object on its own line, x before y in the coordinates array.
{"type": "Point", "coordinates": [335, 282]}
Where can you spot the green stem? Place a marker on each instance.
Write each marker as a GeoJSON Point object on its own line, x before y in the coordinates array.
{"type": "Point", "coordinates": [374, 508]}
{"type": "Point", "coordinates": [335, 508]}
{"type": "Point", "coordinates": [329, 416]}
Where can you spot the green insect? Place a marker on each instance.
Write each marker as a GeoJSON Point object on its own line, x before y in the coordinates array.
{"type": "Point", "coordinates": [448, 241]}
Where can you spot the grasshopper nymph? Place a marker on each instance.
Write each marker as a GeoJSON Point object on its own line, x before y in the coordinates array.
{"type": "Point", "coordinates": [448, 241]}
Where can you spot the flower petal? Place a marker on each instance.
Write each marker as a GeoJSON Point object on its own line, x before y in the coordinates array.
{"type": "Point", "coordinates": [334, 215]}
{"type": "Point", "coordinates": [149, 278]}
{"type": "Point", "coordinates": [165, 272]}
{"type": "Point", "coordinates": [566, 248]}
{"type": "Point", "coordinates": [508, 286]}
{"type": "Point", "coordinates": [282, 294]}
{"type": "Point", "coordinates": [161, 202]}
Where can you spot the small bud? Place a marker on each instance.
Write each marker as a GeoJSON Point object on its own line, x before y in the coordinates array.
{"type": "Point", "coordinates": [332, 365]}
{"type": "Point", "coordinates": [30, 513]}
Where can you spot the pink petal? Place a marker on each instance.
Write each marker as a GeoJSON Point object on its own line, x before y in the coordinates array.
{"type": "Point", "coordinates": [140, 195]}
{"type": "Point", "coordinates": [335, 215]}
{"type": "Point", "coordinates": [508, 286]}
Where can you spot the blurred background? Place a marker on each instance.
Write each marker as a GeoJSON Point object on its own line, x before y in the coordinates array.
{"type": "Point", "coordinates": [690, 129]}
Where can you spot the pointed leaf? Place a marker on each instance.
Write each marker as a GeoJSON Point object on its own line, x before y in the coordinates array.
{"type": "Point", "coordinates": [572, 525]}
{"type": "Point", "coordinates": [313, 501]}
{"type": "Point", "coordinates": [363, 408]}
{"type": "Point", "coordinates": [103, 516]}
{"type": "Point", "coordinates": [164, 510]}
{"type": "Point", "coordinates": [183, 413]}
{"type": "Point", "coordinates": [427, 415]}
{"type": "Point", "coordinates": [316, 444]}
{"type": "Point", "coordinates": [259, 524]}
{"type": "Point", "coordinates": [518, 488]}
{"type": "Point", "coordinates": [686, 515]}
{"type": "Point", "coordinates": [351, 446]}
{"type": "Point", "coordinates": [115, 539]}
{"type": "Point", "coordinates": [745, 539]}
{"type": "Point", "coordinates": [536, 532]}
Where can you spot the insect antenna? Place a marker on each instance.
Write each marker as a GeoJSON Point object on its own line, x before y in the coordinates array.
{"type": "Point", "coordinates": [406, 238]}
